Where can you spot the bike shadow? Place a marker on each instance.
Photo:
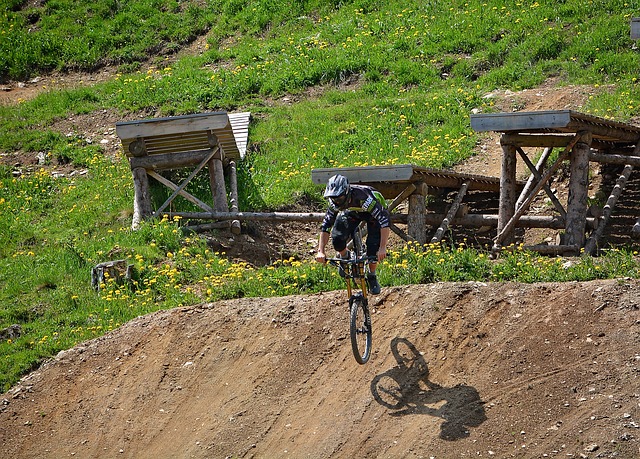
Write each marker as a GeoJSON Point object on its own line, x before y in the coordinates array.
{"type": "Point", "coordinates": [406, 389]}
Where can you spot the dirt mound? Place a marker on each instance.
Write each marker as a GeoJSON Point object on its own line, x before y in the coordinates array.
{"type": "Point", "coordinates": [458, 370]}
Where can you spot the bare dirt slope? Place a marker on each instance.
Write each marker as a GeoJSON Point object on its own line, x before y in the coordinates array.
{"type": "Point", "coordinates": [458, 370]}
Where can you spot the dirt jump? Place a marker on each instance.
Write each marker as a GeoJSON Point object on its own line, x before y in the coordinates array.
{"type": "Point", "coordinates": [458, 370]}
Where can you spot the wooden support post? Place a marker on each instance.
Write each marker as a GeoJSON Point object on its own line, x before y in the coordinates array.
{"type": "Point", "coordinates": [451, 214]}
{"type": "Point", "coordinates": [142, 199]}
{"type": "Point", "coordinates": [416, 224]}
{"type": "Point", "coordinates": [216, 177]}
{"type": "Point", "coordinates": [233, 184]}
{"type": "Point", "coordinates": [592, 243]}
{"type": "Point", "coordinates": [508, 226]}
{"type": "Point", "coordinates": [507, 200]}
{"type": "Point", "coordinates": [578, 192]}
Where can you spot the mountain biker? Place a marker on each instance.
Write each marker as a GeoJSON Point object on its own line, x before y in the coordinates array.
{"type": "Point", "coordinates": [348, 206]}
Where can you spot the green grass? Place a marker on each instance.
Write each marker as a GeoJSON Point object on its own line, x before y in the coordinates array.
{"type": "Point", "coordinates": [329, 84]}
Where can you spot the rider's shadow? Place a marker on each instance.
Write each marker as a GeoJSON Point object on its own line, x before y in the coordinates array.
{"type": "Point", "coordinates": [406, 389]}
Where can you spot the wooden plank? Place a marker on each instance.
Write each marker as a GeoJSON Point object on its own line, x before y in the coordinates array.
{"type": "Point", "coordinates": [635, 28]}
{"type": "Point", "coordinates": [521, 121]}
{"type": "Point", "coordinates": [170, 160]}
{"type": "Point", "coordinates": [172, 125]}
{"type": "Point", "coordinates": [365, 174]}
{"type": "Point", "coordinates": [240, 126]}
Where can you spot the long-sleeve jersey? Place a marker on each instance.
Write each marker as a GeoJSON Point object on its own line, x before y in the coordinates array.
{"type": "Point", "coordinates": [364, 200]}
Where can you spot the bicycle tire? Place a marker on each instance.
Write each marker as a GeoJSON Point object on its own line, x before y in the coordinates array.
{"type": "Point", "coordinates": [360, 328]}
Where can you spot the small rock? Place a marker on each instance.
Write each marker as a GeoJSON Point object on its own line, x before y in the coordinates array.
{"type": "Point", "coordinates": [591, 448]}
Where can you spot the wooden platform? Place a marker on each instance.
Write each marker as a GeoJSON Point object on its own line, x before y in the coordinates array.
{"type": "Point", "coordinates": [390, 179]}
{"type": "Point", "coordinates": [582, 138]}
{"type": "Point", "coordinates": [407, 181]}
{"type": "Point", "coordinates": [215, 140]}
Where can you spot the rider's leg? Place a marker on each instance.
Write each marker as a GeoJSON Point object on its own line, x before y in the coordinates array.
{"type": "Point", "coordinates": [373, 245]}
{"type": "Point", "coordinates": [342, 230]}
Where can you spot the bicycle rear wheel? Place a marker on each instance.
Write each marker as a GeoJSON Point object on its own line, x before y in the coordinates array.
{"type": "Point", "coordinates": [360, 328]}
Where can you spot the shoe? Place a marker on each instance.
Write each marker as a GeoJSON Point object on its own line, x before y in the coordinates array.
{"type": "Point", "coordinates": [374, 285]}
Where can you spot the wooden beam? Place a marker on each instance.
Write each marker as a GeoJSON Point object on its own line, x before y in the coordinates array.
{"type": "Point", "coordinates": [172, 125]}
{"type": "Point", "coordinates": [520, 121]}
{"type": "Point", "coordinates": [365, 174]}
{"type": "Point", "coordinates": [188, 196]}
{"type": "Point", "coordinates": [535, 140]}
{"type": "Point", "coordinates": [635, 28]}
{"type": "Point", "coordinates": [184, 183]}
{"type": "Point", "coordinates": [535, 173]}
{"type": "Point", "coordinates": [532, 178]}
{"type": "Point", "coordinates": [167, 161]}
{"type": "Point", "coordinates": [452, 213]}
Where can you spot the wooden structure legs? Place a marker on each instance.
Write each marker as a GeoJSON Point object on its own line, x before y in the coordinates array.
{"type": "Point", "coordinates": [583, 139]}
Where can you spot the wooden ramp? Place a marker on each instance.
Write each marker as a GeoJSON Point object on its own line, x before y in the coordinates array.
{"type": "Point", "coordinates": [413, 183]}
{"type": "Point", "coordinates": [581, 138]}
{"type": "Point", "coordinates": [215, 140]}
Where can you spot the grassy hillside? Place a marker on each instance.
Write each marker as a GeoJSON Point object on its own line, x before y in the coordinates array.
{"type": "Point", "coordinates": [329, 84]}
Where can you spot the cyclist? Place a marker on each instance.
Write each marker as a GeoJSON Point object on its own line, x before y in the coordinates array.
{"type": "Point", "coordinates": [348, 206]}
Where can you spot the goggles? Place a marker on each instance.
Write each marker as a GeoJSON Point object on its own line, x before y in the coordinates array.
{"type": "Point", "coordinates": [339, 201]}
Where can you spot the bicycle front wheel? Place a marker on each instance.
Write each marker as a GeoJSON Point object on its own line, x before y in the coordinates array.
{"type": "Point", "coordinates": [360, 328]}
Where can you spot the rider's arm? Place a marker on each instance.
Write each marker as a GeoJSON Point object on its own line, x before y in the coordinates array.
{"type": "Point", "coordinates": [322, 243]}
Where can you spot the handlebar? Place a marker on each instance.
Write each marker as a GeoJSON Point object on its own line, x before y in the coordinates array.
{"type": "Point", "coordinates": [366, 258]}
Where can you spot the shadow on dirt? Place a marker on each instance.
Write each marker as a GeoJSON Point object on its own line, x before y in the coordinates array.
{"type": "Point", "coordinates": [406, 389]}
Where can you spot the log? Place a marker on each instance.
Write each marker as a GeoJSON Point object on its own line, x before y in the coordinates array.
{"type": "Point", "coordinates": [507, 201]}
{"type": "Point", "coordinates": [142, 199]}
{"type": "Point", "coordinates": [417, 227]}
{"type": "Point", "coordinates": [431, 219]}
{"type": "Point", "coordinates": [233, 185]}
{"type": "Point", "coordinates": [615, 159]}
{"type": "Point", "coordinates": [216, 176]}
{"type": "Point", "coordinates": [621, 182]}
{"type": "Point", "coordinates": [452, 213]}
{"type": "Point", "coordinates": [578, 192]}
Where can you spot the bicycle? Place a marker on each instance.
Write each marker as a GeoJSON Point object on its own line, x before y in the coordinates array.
{"type": "Point", "coordinates": [355, 270]}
